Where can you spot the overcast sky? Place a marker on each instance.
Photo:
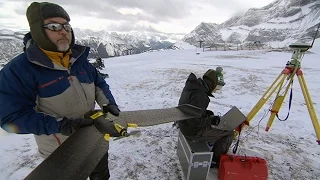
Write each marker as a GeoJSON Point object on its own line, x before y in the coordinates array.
{"type": "Point", "coordinates": [169, 16]}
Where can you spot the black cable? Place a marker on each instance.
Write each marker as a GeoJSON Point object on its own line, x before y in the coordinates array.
{"type": "Point", "coordinates": [235, 148]}
{"type": "Point", "coordinates": [290, 100]}
{"type": "Point", "coordinates": [314, 38]}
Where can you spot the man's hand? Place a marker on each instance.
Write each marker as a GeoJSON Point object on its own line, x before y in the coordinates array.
{"type": "Point", "coordinates": [215, 120]}
{"type": "Point", "coordinates": [68, 126]}
{"type": "Point", "coordinates": [209, 113]}
{"type": "Point", "coordinates": [211, 119]}
{"type": "Point", "coordinates": [114, 110]}
{"type": "Point", "coordinates": [105, 126]}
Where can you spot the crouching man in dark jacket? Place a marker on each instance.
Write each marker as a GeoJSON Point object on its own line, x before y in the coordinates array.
{"type": "Point", "coordinates": [196, 92]}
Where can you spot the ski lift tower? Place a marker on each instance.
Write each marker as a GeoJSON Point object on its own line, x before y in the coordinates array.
{"type": "Point", "coordinates": [200, 41]}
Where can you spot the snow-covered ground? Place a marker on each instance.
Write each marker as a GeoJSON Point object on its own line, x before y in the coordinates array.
{"type": "Point", "coordinates": [155, 80]}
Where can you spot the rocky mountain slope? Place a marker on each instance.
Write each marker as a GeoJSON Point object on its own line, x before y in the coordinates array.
{"type": "Point", "coordinates": [280, 23]}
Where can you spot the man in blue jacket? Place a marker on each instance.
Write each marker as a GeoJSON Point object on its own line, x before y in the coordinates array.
{"type": "Point", "coordinates": [46, 90]}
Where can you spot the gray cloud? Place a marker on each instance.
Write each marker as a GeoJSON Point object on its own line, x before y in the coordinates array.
{"type": "Point", "coordinates": [6, 17]}
{"type": "Point", "coordinates": [156, 10]}
{"type": "Point", "coordinates": [163, 8]}
{"type": "Point", "coordinates": [233, 5]}
{"type": "Point", "coordinates": [153, 11]}
{"type": "Point", "coordinates": [126, 26]}
{"type": "Point", "coordinates": [9, 25]}
{"type": "Point", "coordinates": [21, 11]}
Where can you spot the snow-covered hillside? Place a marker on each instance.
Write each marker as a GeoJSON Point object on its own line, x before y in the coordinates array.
{"type": "Point", "coordinates": [278, 24]}
{"type": "Point", "coordinates": [10, 45]}
{"type": "Point", "coordinates": [155, 80]}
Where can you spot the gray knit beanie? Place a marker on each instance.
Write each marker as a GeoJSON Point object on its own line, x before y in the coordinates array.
{"type": "Point", "coordinates": [36, 14]}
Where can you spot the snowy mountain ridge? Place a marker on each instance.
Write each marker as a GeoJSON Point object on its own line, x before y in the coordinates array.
{"type": "Point", "coordinates": [102, 43]}
{"type": "Point", "coordinates": [280, 23]}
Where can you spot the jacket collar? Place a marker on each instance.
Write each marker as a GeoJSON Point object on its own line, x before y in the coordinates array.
{"type": "Point", "coordinates": [207, 87]}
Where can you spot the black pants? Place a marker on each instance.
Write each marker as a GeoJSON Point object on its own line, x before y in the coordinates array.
{"type": "Point", "coordinates": [221, 147]}
{"type": "Point", "coordinates": [222, 140]}
{"type": "Point", "coordinates": [101, 171]}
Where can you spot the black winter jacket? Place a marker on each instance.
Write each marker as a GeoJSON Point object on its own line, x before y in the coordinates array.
{"type": "Point", "coordinates": [196, 94]}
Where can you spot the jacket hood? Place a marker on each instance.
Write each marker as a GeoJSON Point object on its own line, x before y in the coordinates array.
{"type": "Point", "coordinates": [194, 83]}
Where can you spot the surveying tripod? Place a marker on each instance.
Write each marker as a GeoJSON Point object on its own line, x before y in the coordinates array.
{"type": "Point", "coordinates": [292, 68]}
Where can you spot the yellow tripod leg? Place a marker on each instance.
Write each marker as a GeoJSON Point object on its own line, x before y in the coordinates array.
{"type": "Point", "coordinates": [276, 84]}
{"type": "Point", "coordinates": [278, 102]}
{"type": "Point", "coordinates": [309, 104]}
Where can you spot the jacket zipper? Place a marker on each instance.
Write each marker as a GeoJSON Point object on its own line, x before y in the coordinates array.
{"type": "Point", "coordinates": [77, 93]}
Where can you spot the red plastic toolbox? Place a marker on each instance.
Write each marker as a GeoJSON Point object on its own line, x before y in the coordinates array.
{"type": "Point", "coordinates": [242, 167]}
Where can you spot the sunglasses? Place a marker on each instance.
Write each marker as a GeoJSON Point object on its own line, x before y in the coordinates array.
{"type": "Point", "coordinates": [58, 27]}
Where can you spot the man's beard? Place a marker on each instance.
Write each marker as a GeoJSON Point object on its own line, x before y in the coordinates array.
{"type": "Point", "coordinates": [63, 45]}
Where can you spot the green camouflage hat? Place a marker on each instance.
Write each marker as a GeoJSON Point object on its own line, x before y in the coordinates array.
{"type": "Point", "coordinates": [220, 81]}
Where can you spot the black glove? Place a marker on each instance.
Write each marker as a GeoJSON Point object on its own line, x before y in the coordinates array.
{"type": "Point", "coordinates": [113, 109]}
{"type": "Point", "coordinates": [209, 113]}
{"type": "Point", "coordinates": [68, 126]}
{"type": "Point", "coordinates": [105, 126]}
{"type": "Point", "coordinates": [215, 120]}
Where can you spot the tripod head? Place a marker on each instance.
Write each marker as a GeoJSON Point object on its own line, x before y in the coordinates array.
{"type": "Point", "coordinates": [300, 46]}
{"type": "Point", "coordinates": [298, 51]}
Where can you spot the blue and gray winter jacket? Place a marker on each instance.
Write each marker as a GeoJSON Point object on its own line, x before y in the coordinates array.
{"type": "Point", "coordinates": [35, 92]}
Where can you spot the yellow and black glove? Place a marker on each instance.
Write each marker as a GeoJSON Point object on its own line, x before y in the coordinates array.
{"type": "Point", "coordinates": [105, 126]}
{"type": "Point", "coordinates": [109, 128]}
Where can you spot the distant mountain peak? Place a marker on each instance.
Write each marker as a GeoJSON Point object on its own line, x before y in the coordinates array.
{"type": "Point", "coordinates": [282, 22]}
